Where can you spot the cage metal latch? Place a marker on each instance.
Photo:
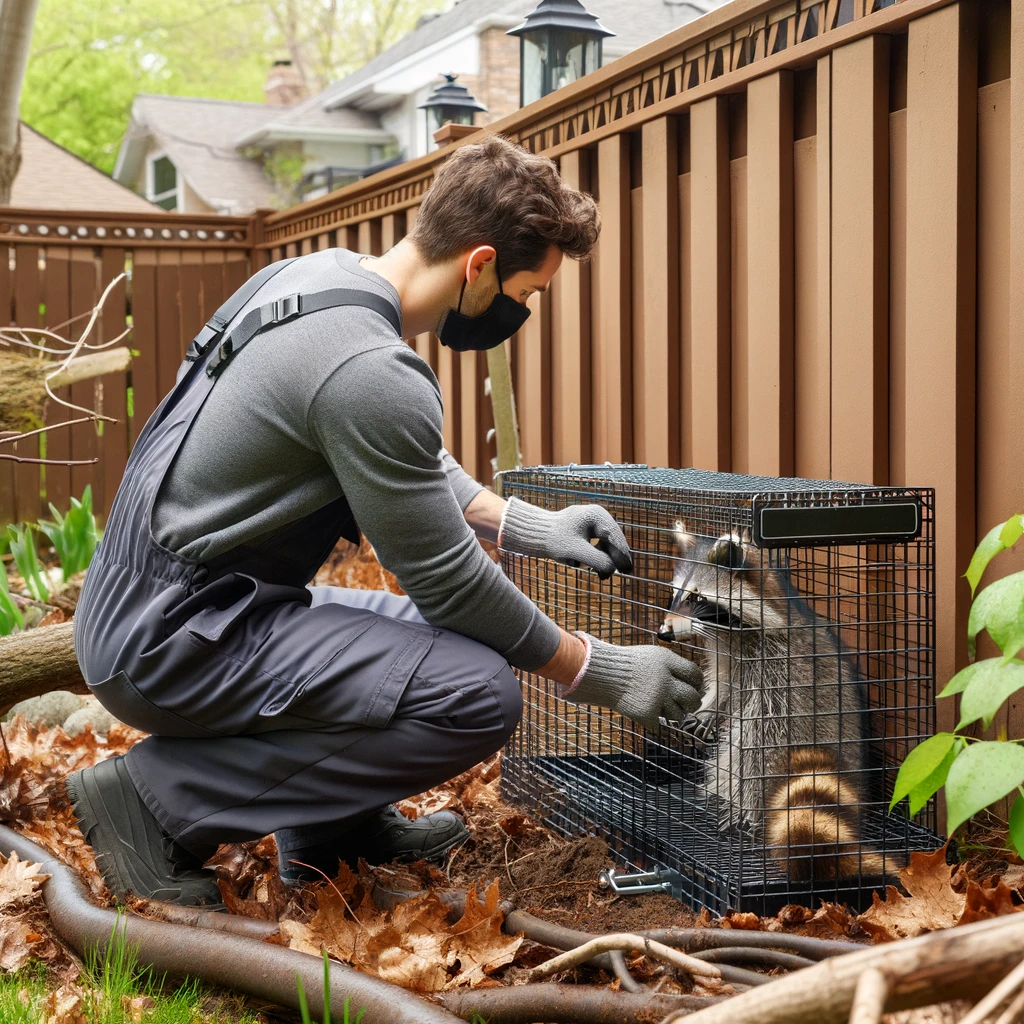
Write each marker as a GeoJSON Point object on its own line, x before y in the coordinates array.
{"type": "Point", "coordinates": [659, 880]}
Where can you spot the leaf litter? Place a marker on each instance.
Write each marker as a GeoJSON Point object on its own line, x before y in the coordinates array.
{"type": "Point", "coordinates": [419, 941]}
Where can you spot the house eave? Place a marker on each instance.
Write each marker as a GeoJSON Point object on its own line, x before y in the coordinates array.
{"type": "Point", "coordinates": [298, 133]}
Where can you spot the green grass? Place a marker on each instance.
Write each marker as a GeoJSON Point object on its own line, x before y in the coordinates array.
{"type": "Point", "coordinates": [304, 1006]}
{"type": "Point", "coordinates": [112, 980]}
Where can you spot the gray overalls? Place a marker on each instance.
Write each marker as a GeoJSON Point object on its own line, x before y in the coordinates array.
{"type": "Point", "coordinates": [272, 706]}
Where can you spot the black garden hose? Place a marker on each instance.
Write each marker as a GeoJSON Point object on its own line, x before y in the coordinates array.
{"type": "Point", "coordinates": [219, 957]}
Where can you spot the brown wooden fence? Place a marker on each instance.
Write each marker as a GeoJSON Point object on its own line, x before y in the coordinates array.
{"type": "Point", "coordinates": [811, 262]}
{"type": "Point", "coordinates": [178, 270]}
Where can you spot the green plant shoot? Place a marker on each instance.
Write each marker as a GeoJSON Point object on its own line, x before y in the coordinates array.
{"type": "Point", "coordinates": [24, 550]}
{"type": "Point", "coordinates": [74, 536]}
{"type": "Point", "coordinates": [304, 1005]}
{"type": "Point", "coordinates": [974, 772]}
{"type": "Point", "coordinates": [10, 614]}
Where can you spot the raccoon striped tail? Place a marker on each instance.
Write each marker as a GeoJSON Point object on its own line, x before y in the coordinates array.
{"type": "Point", "coordinates": [812, 821]}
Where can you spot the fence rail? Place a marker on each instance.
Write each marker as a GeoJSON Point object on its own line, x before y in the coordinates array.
{"type": "Point", "coordinates": [810, 263]}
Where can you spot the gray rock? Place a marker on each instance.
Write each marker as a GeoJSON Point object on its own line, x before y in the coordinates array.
{"type": "Point", "coordinates": [48, 709]}
{"type": "Point", "coordinates": [92, 714]}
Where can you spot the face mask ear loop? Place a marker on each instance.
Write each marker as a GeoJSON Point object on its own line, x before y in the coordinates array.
{"type": "Point", "coordinates": [497, 270]}
{"type": "Point", "coordinates": [462, 291]}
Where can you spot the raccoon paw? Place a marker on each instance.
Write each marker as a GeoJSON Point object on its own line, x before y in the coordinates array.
{"type": "Point", "coordinates": [702, 728]}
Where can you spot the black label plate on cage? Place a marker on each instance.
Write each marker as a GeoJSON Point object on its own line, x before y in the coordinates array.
{"type": "Point", "coordinates": [776, 527]}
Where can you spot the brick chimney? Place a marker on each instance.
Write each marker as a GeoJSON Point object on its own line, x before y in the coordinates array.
{"type": "Point", "coordinates": [284, 86]}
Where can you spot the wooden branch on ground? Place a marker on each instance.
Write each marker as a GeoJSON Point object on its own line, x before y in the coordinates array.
{"type": "Point", "coordinates": [869, 997]}
{"type": "Point", "coordinates": [95, 364]}
{"type": "Point", "coordinates": [960, 963]}
{"type": "Point", "coordinates": [997, 996]}
{"type": "Point", "coordinates": [626, 942]}
{"type": "Point", "coordinates": [37, 661]}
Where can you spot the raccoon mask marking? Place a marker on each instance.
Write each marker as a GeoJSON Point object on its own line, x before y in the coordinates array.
{"type": "Point", "coordinates": [788, 756]}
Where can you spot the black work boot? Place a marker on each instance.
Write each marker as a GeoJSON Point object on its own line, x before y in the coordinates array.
{"type": "Point", "coordinates": [384, 836]}
{"type": "Point", "coordinates": [133, 853]}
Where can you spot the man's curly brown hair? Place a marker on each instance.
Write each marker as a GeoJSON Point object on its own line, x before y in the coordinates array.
{"type": "Point", "coordinates": [496, 193]}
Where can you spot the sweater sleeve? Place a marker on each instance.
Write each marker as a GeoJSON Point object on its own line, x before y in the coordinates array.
{"type": "Point", "coordinates": [464, 486]}
{"type": "Point", "coordinates": [377, 419]}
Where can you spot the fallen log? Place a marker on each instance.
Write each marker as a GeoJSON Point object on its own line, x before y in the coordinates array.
{"type": "Point", "coordinates": [255, 968]}
{"type": "Point", "coordinates": [568, 1004]}
{"type": "Point", "coordinates": [959, 963]}
{"type": "Point", "coordinates": [23, 395]}
{"type": "Point", "coordinates": [38, 661]}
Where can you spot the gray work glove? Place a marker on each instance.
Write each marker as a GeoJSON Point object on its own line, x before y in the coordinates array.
{"type": "Point", "coordinates": [643, 683]}
{"type": "Point", "coordinates": [565, 536]}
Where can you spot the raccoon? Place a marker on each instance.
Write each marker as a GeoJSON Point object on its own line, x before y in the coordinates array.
{"type": "Point", "coordinates": [790, 765]}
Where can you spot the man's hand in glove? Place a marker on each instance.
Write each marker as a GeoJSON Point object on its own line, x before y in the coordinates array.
{"type": "Point", "coordinates": [566, 536]}
{"type": "Point", "coordinates": [643, 683]}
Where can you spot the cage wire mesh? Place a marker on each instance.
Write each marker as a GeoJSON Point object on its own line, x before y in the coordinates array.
{"type": "Point", "coordinates": [810, 607]}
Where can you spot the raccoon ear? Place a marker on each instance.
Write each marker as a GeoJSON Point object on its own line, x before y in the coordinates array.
{"type": "Point", "coordinates": [727, 552]}
{"type": "Point", "coordinates": [686, 542]}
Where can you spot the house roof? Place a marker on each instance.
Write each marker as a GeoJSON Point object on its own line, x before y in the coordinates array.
{"type": "Point", "coordinates": [634, 23]}
{"type": "Point", "coordinates": [53, 178]}
{"type": "Point", "coordinates": [199, 137]}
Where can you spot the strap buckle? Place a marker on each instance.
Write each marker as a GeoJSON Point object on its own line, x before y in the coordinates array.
{"type": "Point", "coordinates": [280, 310]}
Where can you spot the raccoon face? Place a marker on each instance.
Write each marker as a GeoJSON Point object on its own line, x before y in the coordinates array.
{"type": "Point", "coordinates": [720, 584]}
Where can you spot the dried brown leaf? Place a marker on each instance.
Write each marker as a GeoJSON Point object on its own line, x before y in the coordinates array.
{"type": "Point", "coordinates": [931, 905]}
{"type": "Point", "coordinates": [15, 947]}
{"type": "Point", "coordinates": [19, 880]}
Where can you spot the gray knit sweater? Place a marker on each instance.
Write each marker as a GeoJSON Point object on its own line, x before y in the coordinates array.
{"type": "Point", "coordinates": [335, 403]}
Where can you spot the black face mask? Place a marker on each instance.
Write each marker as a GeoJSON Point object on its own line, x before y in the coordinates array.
{"type": "Point", "coordinates": [497, 323]}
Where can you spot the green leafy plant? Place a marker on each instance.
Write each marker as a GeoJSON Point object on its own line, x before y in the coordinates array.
{"type": "Point", "coordinates": [304, 1006]}
{"type": "Point", "coordinates": [24, 550]}
{"type": "Point", "coordinates": [74, 536]}
{"type": "Point", "coordinates": [976, 772]}
{"type": "Point", "coordinates": [10, 614]}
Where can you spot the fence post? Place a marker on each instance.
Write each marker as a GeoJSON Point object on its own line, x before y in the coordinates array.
{"type": "Point", "coordinates": [257, 232]}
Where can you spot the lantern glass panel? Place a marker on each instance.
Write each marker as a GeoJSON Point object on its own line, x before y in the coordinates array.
{"type": "Point", "coordinates": [533, 59]}
{"type": "Point", "coordinates": [573, 55]}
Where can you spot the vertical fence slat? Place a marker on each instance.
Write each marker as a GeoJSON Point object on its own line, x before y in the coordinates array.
{"type": "Point", "coordinates": [940, 338]}
{"type": "Point", "coordinates": [236, 271]}
{"type": "Point", "coordinates": [770, 277]}
{"type": "Point", "coordinates": [144, 339]}
{"type": "Point", "coordinates": [168, 319]}
{"type": "Point", "coordinates": [27, 297]}
{"type": "Point", "coordinates": [860, 261]}
{"type": "Point", "coordinates": [659, 417]}
{"type": "Point", "coordinates": [370, 237]}
{"type": "Point", "coordinates": [570, 356]}
{"type": "Point", "coordinates": [739, 364]}
{"type": "Point", "coordinates": [1009, 446]}
{"type": "Point", "coordinates": [708, 371]}
{"type": "Point", "coordinates": [448, 378]}
{"type": "Point", "coordinates": [1000, 438]}
{"type": "Point", "coordinates": [422, 341]}
{"type": "Point", "coordinates": [612, 359]}
{"type": "Point", "coordinates": [7, 498]}
{"type": "Point", "coordinates": [55, 294]}
{"type": "Point", "coordinates": [811, 378]}
{"type": "Point", "coordinates": [114, 440]}
{"type": "Point", "coordinates": [898, 298]}
{"type": "Point", "coordinates": [84, 440]}
{"type": "Point", "coordinates": [192, 318]}
{"type": "Point", "coordinates": [637, 290]}
{"type": "Point", "coordinates": [214, 292]}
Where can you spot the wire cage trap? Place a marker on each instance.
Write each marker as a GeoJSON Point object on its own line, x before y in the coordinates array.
{"type": "Point", "coordinates": [810, 607]}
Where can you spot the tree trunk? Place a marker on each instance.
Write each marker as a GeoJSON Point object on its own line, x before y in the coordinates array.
{"type": "Point", "coordinates": [38, 661]}
{"type": "Point", "coordinates": [16, 20]}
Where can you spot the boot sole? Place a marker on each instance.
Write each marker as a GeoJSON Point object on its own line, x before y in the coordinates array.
{"type": "Point", "coordinates": [96, 823]}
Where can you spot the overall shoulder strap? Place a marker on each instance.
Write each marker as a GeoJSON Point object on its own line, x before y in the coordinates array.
{"type": "Point", "coordinates": [214, 327]}
{"type": "Point", "coordinates": [292, 306]}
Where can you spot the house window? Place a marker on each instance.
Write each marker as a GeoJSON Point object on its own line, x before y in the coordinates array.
{"type": "Point", "coordinates": [163, 183]}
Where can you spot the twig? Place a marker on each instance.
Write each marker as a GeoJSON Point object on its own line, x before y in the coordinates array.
{"type": "Point", "coordinates": [1014, 1011]}
{"type": "Point", "coordinates": [869, 997]}
{"type": "Point", "coordinates": [995, 998]}
{"type": "Point", "coordinates": [625, 941]}
{"type": "Point", "coordinates": [12, 437]}
{"type": "Point", "coordinates": [303, 864]}
{"type": "Point", "coordinates": [49, 462]}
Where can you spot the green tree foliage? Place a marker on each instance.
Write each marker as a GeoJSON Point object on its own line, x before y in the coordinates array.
{"type": "Point", "coordinates": [91, 57]}
{"type": "Point", "coordinates": [978, 772]}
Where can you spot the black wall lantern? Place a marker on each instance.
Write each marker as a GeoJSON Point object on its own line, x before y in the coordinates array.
{"type": "Point", "coordinates": [558, 43]}
{"type": "Point", "coordinates": [450, 102]}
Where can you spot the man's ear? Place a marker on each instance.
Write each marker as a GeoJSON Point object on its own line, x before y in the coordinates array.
{"type": "Point", "coordinates": [477, 260]}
